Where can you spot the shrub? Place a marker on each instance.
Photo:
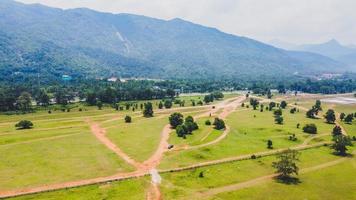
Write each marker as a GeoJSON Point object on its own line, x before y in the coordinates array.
{"type": "Point", "coordinates": [128, 119]}
{"type": "Point", "coordinates": [219, 124]}
{"type": "Point", "coordinates": [208, 122]}
{"type": "Point", "coordinates": [310, 128]}
{"type": "Point", "coordinates": [176, 119]}
{"type": "Point", "coordinates": [24, 124]}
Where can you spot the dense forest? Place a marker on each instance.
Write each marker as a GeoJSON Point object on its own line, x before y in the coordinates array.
{"type": "Point", "coordinates": [20, 97]}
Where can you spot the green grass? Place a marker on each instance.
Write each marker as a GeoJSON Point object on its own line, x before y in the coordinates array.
{"type": "Point", "coordinates": [130, 189]}
{"type": "Point", "coordinates": [186, 183]}
{"type": "Point", "coordinates": [54, 161]}
{"type": "Point", "coordinates": [203, 135]}
{"type": "Point", "coordinates": [248, 134]}
{"type": "Point", "coordinates": [140, 138]}
{"type": "Point", "coordinates": [336, 182]}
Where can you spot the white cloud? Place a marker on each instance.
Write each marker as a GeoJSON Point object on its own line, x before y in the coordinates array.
{"type": "Point", "coordinates": [298, 21]}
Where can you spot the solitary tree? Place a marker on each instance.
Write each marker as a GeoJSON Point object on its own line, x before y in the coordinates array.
{"type": "Point", "coordinates": [271, 105]}
{"type": "Point", "coordinates": [99, 104]}
{"type": "Point", "coordinates": [148, 110]}
{"type": "Point", "coordinates": [168, 104]}
{"type": "Point", "coordinates": [337, 131]}
{"type": "Point", "coordinates": [219, 124]}
{"type": "Point", "coordinates": [340, 144]}
{"type": "Point", "coordinates": [348, 119]}
{"type": "Point", "coordinates": [208, 122]}
{"type": "Point", "coordinates": [160, 105]}
{"type": "Point", "coordinates": [269, 144]}
{"type": "Point", "coordinates": [128, 119]}
{"type": "Point", "coordinates": [311, 113]}
{"type": "Point", "coordinates": [287, 163]}
{"type": "Point", "coordinates": [310, 128]}
{"type": "Point", "coordinates": [283, 104]}
{"type": "Point", "coordinates": [342, 116]}
{"type": "Point", "coordinates": [330, 116]}
{"type": "Point", "coordinates": [24, 124]}
{"type": "Point", "coordinates": [176, 119]}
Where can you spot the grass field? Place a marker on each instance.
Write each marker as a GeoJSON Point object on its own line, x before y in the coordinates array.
{"type": "Point", "coordinates": [250, 130]}
{"type": "Point", "coordinates": [130, 190]}
{"type": "Point", "coordinates": [187, 183]}
{"type": "Point", "coordinates": [62, 148]}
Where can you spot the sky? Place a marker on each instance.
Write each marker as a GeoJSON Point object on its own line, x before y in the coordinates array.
{"type": "Point", "coordinates": [293, 21]}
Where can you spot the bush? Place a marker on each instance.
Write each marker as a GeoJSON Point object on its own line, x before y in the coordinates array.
{"type": "Point", "coordinates": [128, 119]}
{"type": "Point", "coordinates": [219, 124]}
{"type": "Point", "coordinates": [310, 128]}
{"type": "Point", "coordinates": [253, 156]}
{"type": "Point", "coordinates": [176, 119]}
{"type": "Point", "coordinates": [208, 122]}
{"type": "Point", "coordinates": [24, 124]}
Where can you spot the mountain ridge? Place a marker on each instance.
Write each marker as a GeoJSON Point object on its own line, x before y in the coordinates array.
{"type": "Point", "coordinates": [83, 42]}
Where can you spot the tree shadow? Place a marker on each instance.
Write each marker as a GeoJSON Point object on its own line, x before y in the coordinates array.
{"type": "Point", "coordinates": [289, 180]}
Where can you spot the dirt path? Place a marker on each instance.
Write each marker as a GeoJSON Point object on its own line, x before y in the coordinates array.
{"type": "Point", "coordinates": [256, 181]}
{"type": "Point", "coordinates": [100, 134]}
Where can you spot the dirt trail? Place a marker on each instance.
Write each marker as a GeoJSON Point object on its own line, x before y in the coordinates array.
{"type": "Point", "coordinates": [256, 181]}
{"type": "Point", "coordinates": [154, 192]}
{"type": "Point", "coordinates": [228, 107]}
{"type": "Point", "coordinates": [100, 134]}
{"type": "Point", "coordinates": [53, 187]}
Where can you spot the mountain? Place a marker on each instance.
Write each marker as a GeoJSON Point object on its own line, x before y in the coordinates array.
{"type": "Point", "coordinates": [35, 39]}
{"type": "Point", "coordinates": [334, 50]}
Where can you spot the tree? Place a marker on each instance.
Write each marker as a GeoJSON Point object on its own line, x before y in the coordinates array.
{"type": "Point", "coordinates": [277, 112]}
{"type": "Point", "coordinates": [219, 124]}
{"type": "Point", "coordinates": [310, 113]}
{"type": "Point", "coordinates": [181, 131]}
{"type": "Point", "coordinates": [208, 122]}
{"type": "Point", "coordinates": [330, 116]}
{"type": "Point", "coordinates": [148, 110]}
{"type": "Point", "coordinates": [342, 116]}
{"type": "Point", "coordinates": [208, 98]}
{"type": "Point", "coordinates": [168, 104]}
{"type": "Point", "coordinates": [293, 110]}
{"type": "Point", "coordinates": [310, 128]}
{"type": "Point", "coordinates": [160, 105]}
{"type": "Point", "coordinates": [189, 119]}
{"type": "Point", "coordinates": [128, 119]}
{"type": "Point", "coordinates": [283, 104]}
{"type": "Point", "coordinates": [191, 126]}
{"type": "Point", "coordinates": [91, 98]}
{"type": "Point", "coordinates": [269, 144]}
{"type": "Point", "coordinates": [24, 101]}
{"type": "Point", "coordinates": [254, 103]}
{"type": "Point", "coordinates": [337, 131]}
{"type": "Point", "coordinates": [340, 144]}
{"type": "Point", "coordinates": [287, 163]}
{"type": "Point", "coordinates": [176, 119]}
{"type": "Point", "coordinates": [43, 98]}
{"type": "Point", "coordinates": [218, 95]}
{"type": "Point", "coordinates": [171, 93]}
{"type": "Point", "coordinates": [348, 119]}
{"type": "Point", "coordinates": [278, 119]}
{"type": "Point", "coordinates": [271, 105]}
{"type": "Point", "coordinates": [317, 106]}
{"type": "Point", "coordinates": [24, 124]}
{"type": "Point", "coordinates": [99, 104]}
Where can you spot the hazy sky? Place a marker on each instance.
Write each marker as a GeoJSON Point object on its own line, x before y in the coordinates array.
{"type": "Point", "coordinates": [296, 21]}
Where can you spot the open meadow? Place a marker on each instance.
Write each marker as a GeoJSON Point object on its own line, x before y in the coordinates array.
{"type": "Point", "coordinates": [96, 154]}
